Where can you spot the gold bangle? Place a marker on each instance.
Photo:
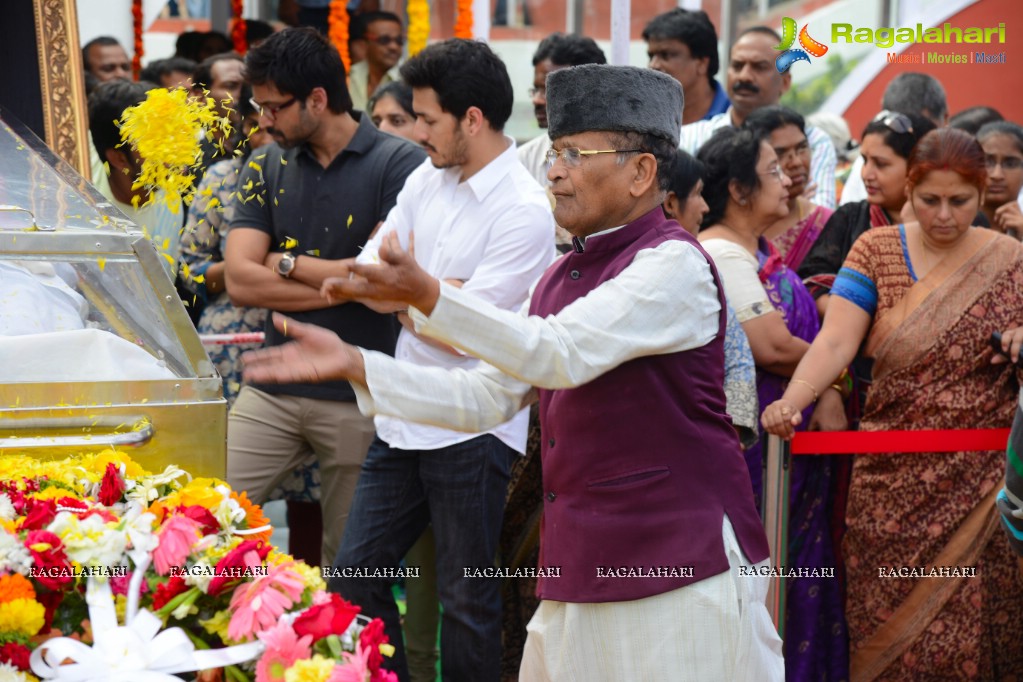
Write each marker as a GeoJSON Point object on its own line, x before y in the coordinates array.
{"type": "Point", "coordinates": [808, 385]}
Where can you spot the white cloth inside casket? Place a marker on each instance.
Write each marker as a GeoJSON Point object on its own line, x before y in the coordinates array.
{"type": "Point", "coordinates": [37, 297]}
{"type": "Point", "coordinates": [77, 355]}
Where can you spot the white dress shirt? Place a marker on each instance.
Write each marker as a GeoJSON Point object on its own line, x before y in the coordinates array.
{"type": "Point", "coordinates": [533, 156]}
{"type": "Point", "coordinates": [640, 312]}
{"type": "Point", "coordinates": [822, 159]}
{"type": "Point", "coordinates": [495, 232]}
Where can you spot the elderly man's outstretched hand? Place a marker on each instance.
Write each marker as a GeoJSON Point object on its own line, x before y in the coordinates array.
{"type": "Point", "coordinates": [316, 354]}
{"type": "Point", "coordinates": [397, 277]}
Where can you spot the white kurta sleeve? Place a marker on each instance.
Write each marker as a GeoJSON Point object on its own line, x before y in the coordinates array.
{"type": "Point", "coordinates": [665, 301]}
{"type": "Point", "coordinates": [465, 400]}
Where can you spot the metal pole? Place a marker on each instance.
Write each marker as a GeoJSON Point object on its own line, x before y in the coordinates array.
{"type": "Point", "coordinates": [729, 19]}
{"type": "Point", "coordinates": [220, 15]}
{"type": "Point", "coordinates": [620, 24]}
{"type": "Point", "coordinates": [574, 16]}
{"type": "Point", "coordinates": [776, 522]}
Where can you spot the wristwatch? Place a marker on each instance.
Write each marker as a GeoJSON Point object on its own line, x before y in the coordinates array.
{"type": "Point", "coordinates": [286, 265]}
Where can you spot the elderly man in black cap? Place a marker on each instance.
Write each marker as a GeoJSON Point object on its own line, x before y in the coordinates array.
{"type": "Point", "coordinates": [650, 539]}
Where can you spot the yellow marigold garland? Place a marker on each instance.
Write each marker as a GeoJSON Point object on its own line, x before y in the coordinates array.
{"type": "Point", "coordinates": [418, 25]}
{"type": "Point", "coordinates": [337, 29]}
{"type": "Point", "coordinates": [463, 24]}
{"type": "Point", "coordinates": [165, 129]}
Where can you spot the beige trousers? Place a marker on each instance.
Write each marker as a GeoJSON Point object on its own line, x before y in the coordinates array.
{"type": "Point", "coordinates": [269, 435]}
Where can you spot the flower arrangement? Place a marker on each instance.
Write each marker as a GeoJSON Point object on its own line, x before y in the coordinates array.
{"type": "Point", "coordinates": [418, 12]}
{"type": "Point", "coordinates": [109, 571]}
{"type": "Point", "coordinates": [464, 21]}
{"type": "Point", "coordinates": [337, 30]}
{"type": "Point", "coordinates": [165, 129]}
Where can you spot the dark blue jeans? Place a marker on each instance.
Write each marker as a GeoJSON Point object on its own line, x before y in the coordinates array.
{"type": "Point", "coordinates": [460, 489]}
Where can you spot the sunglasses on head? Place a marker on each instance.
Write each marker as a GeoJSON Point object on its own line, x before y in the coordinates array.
{"type": "Point", "coordinates": [894, 121]}
{"type": "Point", "coordinates": [384, 41]}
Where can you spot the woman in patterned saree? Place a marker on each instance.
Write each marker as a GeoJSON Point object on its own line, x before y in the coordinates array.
{"type": "Point", "coordinates": [926, 297]}
{"type": "Point", "coordinates": [747, 191]}
{"type": "Point", "coordinates": [794, 234]}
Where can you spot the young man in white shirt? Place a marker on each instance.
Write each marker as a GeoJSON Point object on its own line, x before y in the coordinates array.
{"type": "Point", "coordinates": [481, 222]}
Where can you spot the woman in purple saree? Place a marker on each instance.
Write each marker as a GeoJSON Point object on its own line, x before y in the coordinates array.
{"type": "Point", "coordinates": [747, 191]}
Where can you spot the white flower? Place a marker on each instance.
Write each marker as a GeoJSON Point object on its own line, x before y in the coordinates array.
{"type": "Point", "coordinates": [14, 556]}
{"type": "Point", "coordinates": [200, 576]}
{"type": "Point", "coordinates": [139, 528]}
{"type": "Point", "coordinates": [8, 673]}
{"type": "Point", "coordinates": [7, 512]}
{"type": "Point", "coordinates": [90, 542]}
{"type": "Point", "coordinates": [146, 489]}
{"type": "Point", "coordinates": [228, 513]}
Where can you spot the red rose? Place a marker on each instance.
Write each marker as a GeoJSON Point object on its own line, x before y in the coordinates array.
{"type": "Point", "coordinates": [208, 524]}
{"type": "Point", "coordinates": [38, 514]}
{"type": "Point", "coordinates": [15, 654]}
{"type": "Point", "coordinates": [371, 637]}
{"type": "Point", "coordinates": [53, 570]}
{"type": "Point", "coordinates": [249, 554]}
{"type": "Point", "coordinates": [330, 618]}
{"type": "Point", "coordinates": [112, 487]}
{"type": "Point", "coordinates": [167, 591]}
{"type": "Point", "coordinates": [72, 504]}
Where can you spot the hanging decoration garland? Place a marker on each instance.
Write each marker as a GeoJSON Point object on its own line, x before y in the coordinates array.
{"type": "Point", "coordinates": [337, 29]}
{"type": "Point", "coordinates": [136, 21]}
{"type": "Point", "coordinates": [238, 30]}
{"type": "Point", "coordinates": [463, 24]}
{"type": "Point", "coordinates": [418, 25]}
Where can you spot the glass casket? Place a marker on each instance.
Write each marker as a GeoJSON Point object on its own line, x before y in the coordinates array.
{"type": "Point", "coordinates": [96, 349]}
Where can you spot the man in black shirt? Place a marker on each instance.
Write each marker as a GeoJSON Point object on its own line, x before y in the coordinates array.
{"type": "Point", "coordinates": [303, 208]}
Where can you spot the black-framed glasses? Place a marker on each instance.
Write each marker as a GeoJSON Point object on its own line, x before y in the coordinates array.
{"type": "Point", "coordinates": [533, 92]}
{"type": "Point", "coordinates": [572, 156]}
{"type": "Point", "coordinates": [271, 109]}
{"type": "Point", "coordinates": [894, 121]}
{"type": "Point", "coordinates": [384, 41]}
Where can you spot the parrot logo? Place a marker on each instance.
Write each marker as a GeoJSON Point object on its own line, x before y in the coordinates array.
{"type": "Point", "coordinates": [788, 57]}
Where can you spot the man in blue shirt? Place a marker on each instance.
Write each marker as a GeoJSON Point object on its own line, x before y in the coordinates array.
{"type": "Point", "coordinates": [684, 45]}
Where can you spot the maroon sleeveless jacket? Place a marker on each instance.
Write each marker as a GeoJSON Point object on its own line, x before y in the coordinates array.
{"type": "Point", "coordinates": [641, 464]}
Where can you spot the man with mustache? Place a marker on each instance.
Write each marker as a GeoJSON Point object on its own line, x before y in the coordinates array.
{"type": "Point", "coordinates": [306, 206]}
{"type": "Point", "coordinates": [381, 34]}
{"type": "Point", "coordinates": [754, 82]}
{"type": "Point", "coordinates": [556, 51]}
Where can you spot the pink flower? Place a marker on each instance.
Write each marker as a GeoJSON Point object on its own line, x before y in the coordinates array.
{"type": "Point", "coordinates": [249, 554]}
{"type": "Point", "coordinates": [283, 648]}
{"type": "Point", "coordinates": [176, 538]}
{"type": "Point", "coordinates": [354, 668]}
{"type": "Point", "coordinates": [257, 605]}
{"type": "Point", "coordinates": [119, 584]}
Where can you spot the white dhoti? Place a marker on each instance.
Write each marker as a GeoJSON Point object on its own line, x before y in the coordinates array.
{"type": "Point", "coordinates": [717, 629]}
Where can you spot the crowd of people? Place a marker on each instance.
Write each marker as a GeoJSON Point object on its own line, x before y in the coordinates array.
{"type": "Point", "coordinates": [566, 354]}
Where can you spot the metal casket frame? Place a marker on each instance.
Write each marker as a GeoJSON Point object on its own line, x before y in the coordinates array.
{"type": "Point", "coordinates": [48, 215]}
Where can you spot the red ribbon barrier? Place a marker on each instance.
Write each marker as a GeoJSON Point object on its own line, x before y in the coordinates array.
{"type": "Point", "coordinates": [874, 442]}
